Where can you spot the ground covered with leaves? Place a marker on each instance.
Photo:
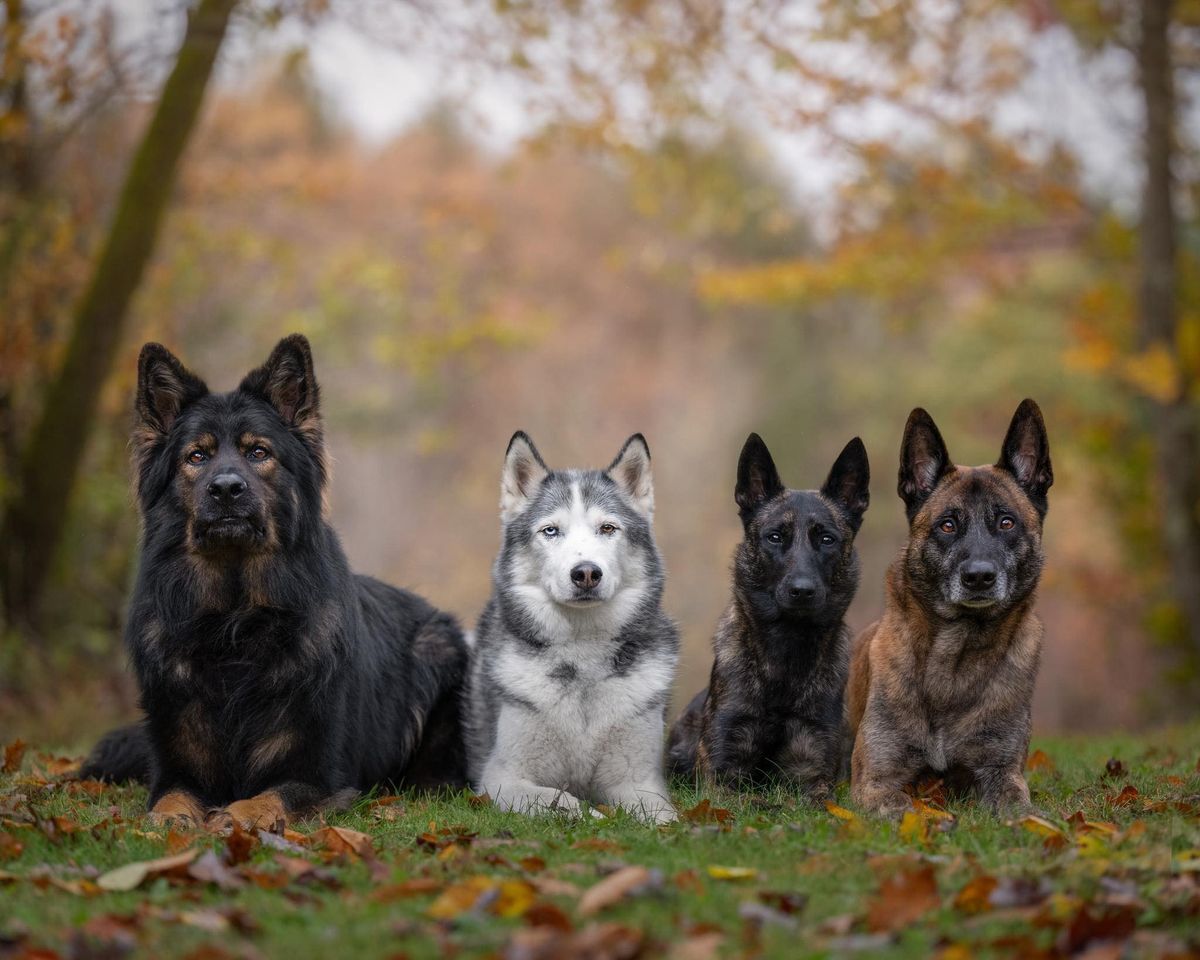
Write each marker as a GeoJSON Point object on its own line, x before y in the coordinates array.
{"type": "Point", "coordinates": [1111, 869]}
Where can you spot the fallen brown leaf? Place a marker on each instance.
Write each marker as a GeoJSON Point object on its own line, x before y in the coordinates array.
{"type": "Point", "coordinates": [598, 941]}
{"type": "Point", "coordinates": [704, 946]}
{"type": "Point", "coordinates": [615, 887]}
{"type": "Point", "coordinates": [1039, 761]}
{"type": "Point", "coordinates": [132, 875]}
{"type": "Point", "coordinates": [13, 754]}
{"type": "Point", "coordinates": [704, 812]}
{"type": "Point", "coordinates": [904, 896]}
{"type": "Point", "coordinates": [1128, 794]}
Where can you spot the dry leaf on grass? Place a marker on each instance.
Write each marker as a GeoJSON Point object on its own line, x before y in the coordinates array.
{"type": "Point", "coordinates": [1039, 761]}
{"type": "Point", "coordinates": [704, 946]}
{"type": "Point", "coordinates": [705, 812]}
{"type": "Point", "coordinates": [626, 882]}
{"type": "Point", "coordinates": [598, 941]}
{"type": "Point", "coordinates": [731, 873]}
{"type": "Point", "coordinates": [904, 896]}
{"type": "Point", "coordinates": [501, 898]}
{"type": "Point", "coordinates": [132, 875]}
{"type": "Point", "coordinates": [13, 754]}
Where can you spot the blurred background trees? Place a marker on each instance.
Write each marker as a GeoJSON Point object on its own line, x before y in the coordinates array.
{"type": "Point", "coordinates": [800, 218]}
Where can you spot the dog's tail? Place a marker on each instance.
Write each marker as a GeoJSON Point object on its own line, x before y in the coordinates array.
{"type": "Point", "coordinates": [121, 754]}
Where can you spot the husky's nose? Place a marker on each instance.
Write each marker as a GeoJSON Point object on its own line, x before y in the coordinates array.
{"type": "Point", "coordinates": [802, 589]}
{"type": "Point", "coordinates": [978, 575]}
{"type": "Point", "coordinates": [585, 575]}
{"type": "Point", "coordinates": [226, 487]}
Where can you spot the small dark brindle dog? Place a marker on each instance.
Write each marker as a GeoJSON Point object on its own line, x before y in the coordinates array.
{"type": "Point", "coordinates": [942, 685]}
{"type": "Point", "coordinates": [773, 707]}
{"type": "Point", "coordinates": [273, 680]}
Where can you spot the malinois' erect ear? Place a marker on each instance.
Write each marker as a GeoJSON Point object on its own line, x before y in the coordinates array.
{"type": "Point", "coordinates": [1026, 454]}
{"type": "Point", "coordinates": [849, 482]}
{"type": "Point", "coordinates": [923, 461]}
{"type": "Point", "coordinates": [631, 471]}
{"type": "Point", "coordinates": [165, 387]}
{"type": "Point", "coordinates": [757, 479]}
{"type": "Point", "coordinates": [524, 470]}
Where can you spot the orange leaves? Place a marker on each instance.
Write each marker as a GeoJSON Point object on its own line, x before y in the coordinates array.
{"type": "Point", "coordinates": [851, 824]}
{"type": "Point", "coordinates": [1039, 762]}
{"type": "Point", "coordinates": [705, 813]}
{"type": "Point", "coordinates": [905, 895]}
{"type": "Point", "coordinates": [925, 821]}
{"type": "Point", "coordinates": [13, 754]}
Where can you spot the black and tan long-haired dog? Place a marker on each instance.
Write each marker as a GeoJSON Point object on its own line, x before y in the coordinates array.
{"type": "Point", "coordinates": [773, 707]}
{"type": "Point", "coordinates": [942, 685]}
{"type": "Point", "coordinates": [272, 678]}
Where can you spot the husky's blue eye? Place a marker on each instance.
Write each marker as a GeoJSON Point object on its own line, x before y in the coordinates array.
{"type": "Point", "coordinates": [549, 532]}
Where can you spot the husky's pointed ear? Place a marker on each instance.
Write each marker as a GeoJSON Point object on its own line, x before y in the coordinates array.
{"type": "Point", "coordinates": [631, 470]}
{"type": "Point", "coordinates": [288, 383]}
{"type": "Point", "coordinates": [524, 470]}
{"type": "Point", "coordinates": [849, 482]}
{"type": "Point", "coordinates": [1026, 453]}
{"type": "Point", "coordinates": [757, 479]}
{"type": "Point", "coordinates": [165, 387]}
{"type": "Point", "coordinates": [923, 461]}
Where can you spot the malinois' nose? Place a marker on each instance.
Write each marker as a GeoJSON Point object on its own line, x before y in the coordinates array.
{"type": "Point", "coordinates": [226, 487]}
{"type": "Point", "coordinates": [802, 589]}
{"type": "Point", "coordinates": [978, 575]}
{"type": "Point", "coordinates": [585, 575]}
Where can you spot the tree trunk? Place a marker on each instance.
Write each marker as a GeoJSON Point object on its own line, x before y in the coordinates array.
{"type": "Point", "coordinates": [37, 509]}
{"type": "Point", "coordinates": [1175, 424]}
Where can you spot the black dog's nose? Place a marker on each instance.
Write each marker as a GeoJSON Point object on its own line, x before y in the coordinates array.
{"type": "Point", "coordinates": [585, 575]}
{"type": "Point", "coordinates": [978, 575]}
{"type": "Point", "coordinates": [802, 589]}
{"type": "Point", "coordinates": [226, 487]}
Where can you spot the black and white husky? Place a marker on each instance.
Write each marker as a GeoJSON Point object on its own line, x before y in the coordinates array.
{"type": "Point", "coordinates": [574, 659]}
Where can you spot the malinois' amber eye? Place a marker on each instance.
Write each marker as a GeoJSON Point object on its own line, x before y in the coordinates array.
{"type": "Point", "coordinates": [1006, 522]}
{"type": "Point", "coordinates": [258, 452]}
{"type": "Point", "coordinates": [947, 526]}
{"type": "Point", "coordinates": [608, 529]}
{"type": "Point", "coordinates": [197, 456]}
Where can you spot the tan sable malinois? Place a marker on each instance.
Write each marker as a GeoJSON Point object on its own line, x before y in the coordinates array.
{"type": "Point", "coordinates": [942, 685]}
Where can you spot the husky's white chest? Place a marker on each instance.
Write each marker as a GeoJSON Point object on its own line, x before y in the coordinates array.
{"type": "Point", "coordinates": [586, 692]}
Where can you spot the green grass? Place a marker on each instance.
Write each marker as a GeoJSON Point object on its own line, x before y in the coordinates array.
{"type": "Point", "coordinates": [1088, 890]}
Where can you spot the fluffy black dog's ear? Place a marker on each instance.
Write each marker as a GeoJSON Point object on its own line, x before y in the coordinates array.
{"type": "Point", "coordinates": [757, 479]}
{"type": "Point", "coordinates": [631, 470]}
{"type": "Point", "coordinates": [1026, 453]}
{"type": "Point", "coordinates": [923, 461]}
{"type": "Point", "coordinates": [288, 383]}
{"type": "Point", "coordinates": [165, 387]}
{"type": "Point", "coordinates": [524, 470]}
{"type": "Point", "coordinates": [849, 482]}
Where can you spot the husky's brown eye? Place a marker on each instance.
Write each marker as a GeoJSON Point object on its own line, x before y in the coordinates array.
{"type": "Point", "coordinates": [197, 456]}
{"type": "Point", "coordinates": [258, 452]}
{"type": "Point", "coordinates": [608, 529]}
{"type": "Point", "coordinates": [947, 526]}
{"type": "Point", "coordinates": [1006, 522]}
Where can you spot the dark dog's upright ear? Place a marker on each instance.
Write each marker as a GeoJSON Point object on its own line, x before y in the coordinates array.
{"type": "Point", "coordinates": [757, 479]}
{"type": "Point", "coordinates": [287, 382]}
{"type": "Point", "coordinates": [923, 461]}
{"type": "Point", "coordinates": [849, 482]}
{"type": "Point", "coordinates": [165, 387]}
{"type": "Point", "coordinates": [524, 470]}
{"type": "Point", "coordinates": [631, 470]}
{"type": "Point", "coordinates": [1026, 454]}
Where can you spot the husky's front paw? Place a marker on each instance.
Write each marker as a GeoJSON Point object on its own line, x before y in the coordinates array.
{"type": "Point", "coordinates": [534, 800]}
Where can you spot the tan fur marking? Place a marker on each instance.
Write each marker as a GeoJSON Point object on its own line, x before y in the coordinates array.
{"type": "Point", "coordinates": [264, 811]}
{"type": "Point", "coordinates": [272, 749]}
{"type": "Point", "coordinates": [179, 806]}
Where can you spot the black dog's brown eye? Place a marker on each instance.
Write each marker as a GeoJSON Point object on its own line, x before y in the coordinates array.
{"type": "Point", "coordinates": [1006, 523]}
{"type": "Point", "coordinates": [258, 452]}
{"type": "Point", "coordinates": [947, 526]}
{"type": "Point", "coordinates": [197, 456]}
{"type": "Point", "coordinates": [775, 537]}
{"type": "Point", "coordinates": [608, 528]}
